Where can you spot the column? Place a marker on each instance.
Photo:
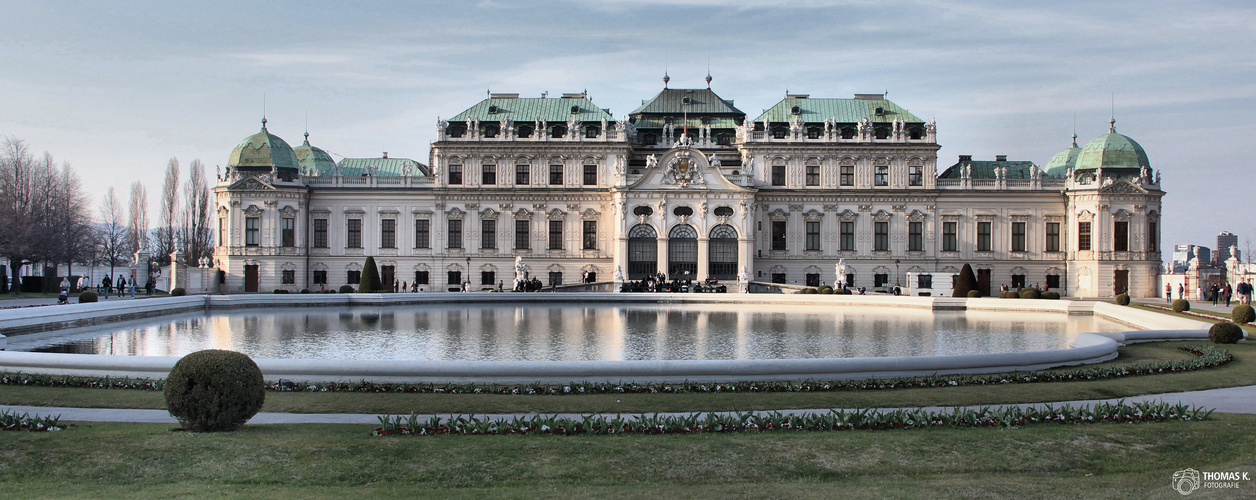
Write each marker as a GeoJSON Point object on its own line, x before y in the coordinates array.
{"type": "Point", "coordinates": [704, 258]}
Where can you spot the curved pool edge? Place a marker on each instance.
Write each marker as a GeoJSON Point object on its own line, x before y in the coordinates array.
{"type": "Point", "coordinates": [1085, 348]}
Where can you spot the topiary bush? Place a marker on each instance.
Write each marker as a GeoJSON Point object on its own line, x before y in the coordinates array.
{"type": "Point", "coordinates": [178, 292]}
{"type": "Point", "coordinates": [346, 288]}
{"type": "Point", "coordinates": [1029, 293]}
{"type": "Point", "coordinates": [1181, 305]}
{"type": "Point", "coordinates": [972, 294]}
{"type": "Point", "coordinates": [1007, 294]}
{"type": "Point", "coordinates": [1123, 299]}
{"type": "Point", "coordinates": [280, 290]}
{"type": "Point", "coordinates": [965, 282]}
{"type": "Point", "coordinates": [369, 281]}
{"type": "Point", "coordinates": [90, 296]}
{"type": "Point", "coordinates": [1050, 295]}
{"type": "Point", "coordinates": [1225, 333]}
{"type": "Point", "coordinates": [842, 291]}
{"type": "Point", "coordinates": [809, 291]}
{"type": "Point", "coordinates": [214, 390]}
{"type": "Point", "coordinates": [823, 288]}
{"type": "Point", "coordinates": [1242, 313]}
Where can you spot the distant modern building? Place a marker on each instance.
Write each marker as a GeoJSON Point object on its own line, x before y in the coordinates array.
{"type": "Point", "coordinates": [1225, 240]}
{"type": "Point", "coordinates": [689, 186]}
{"type": "Point", "coordinates": [1184, 254]}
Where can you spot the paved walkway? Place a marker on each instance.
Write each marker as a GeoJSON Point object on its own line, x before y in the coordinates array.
{"type": "Point", "coordinates": [1228, 400]}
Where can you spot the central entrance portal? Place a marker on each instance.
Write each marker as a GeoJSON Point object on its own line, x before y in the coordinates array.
{"type": "Point", "coordinates": [643, 252]}
{"type": "Point", "coordinates": [723, 250]}
{"type": "Point", "coordinates": [682, 253]}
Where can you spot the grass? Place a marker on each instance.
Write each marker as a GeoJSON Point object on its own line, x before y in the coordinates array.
{"type": "Point", "coordinates": [334, 461]}
{"type": "Point", "coordinates": [1242, 371]}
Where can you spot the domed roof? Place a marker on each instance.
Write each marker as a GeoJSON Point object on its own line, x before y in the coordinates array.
{"type": "Point", "coordinates": [1058, 167]}
{"type": "Point", "coordinates": [312, 160]}
{"type": "Point", "coordinates": [263, 149]}
{"type": "Point", "coordinates": [1112, 151]}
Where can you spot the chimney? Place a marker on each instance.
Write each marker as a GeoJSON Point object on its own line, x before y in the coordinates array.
{"type": "Point", "coordinates": [1000, 157]}
{"type": "Point", "coordinates": [385, 155]}
{"type": "Point", "coordinates": [964, 158]}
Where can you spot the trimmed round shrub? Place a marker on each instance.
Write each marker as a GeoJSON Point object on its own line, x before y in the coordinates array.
{"type": "Point", "coordinates": [1029, 293]}
{"type": "Point", "coordinates": [1225, 333]}
{"type": "Point", "coordinates": [280, 290]}
{"type": "Point", "coordinates": [1050, 295]}
{"type": "Point", "coordinates": [90, 296]}
{"type": "Point", "coordinates": [842, 291]}
{"type": "Point", "coordinates": [214, 390]}
{"type": "Point", "coordinates": [1241, 313]}
{"type": "Point", "coordinates": [972, 294]}
{"type": "Point", "coordinates": [346, 288]}
{"type": "Point", "coordinates": [1181, 305]}
{"type": "Point", "coordinates": [178, 292]}
{"type": "Point", "coordinates": [809, 291]}
{"type": "Point", "coordinates": [1008, 294]}
{"type": "Point", "coordinates": [1123, 299]}
{"type": "Point", "coordinates": [823, 288]}
{"type": "Point", "coordinates": [305, 290]}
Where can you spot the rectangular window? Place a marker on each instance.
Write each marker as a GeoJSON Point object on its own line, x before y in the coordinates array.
{"type": "Point", "coordinates": [778, 235]}
{"type": "Point", "coordinates": [915, 175]}
{"type": "Point", "coordinates": [353, 278]}
{"type": "Point", "coordinates": [1152, 236]}
{"type": "Point", "coordinates": [455, 174]}
{"type": "Point", "coordinates": [879, 280]}
{"type": "Point", "coordinates": [1083, 236]}
{"type": "Point", "coordinates": [320, 277]}
{"type": "Point", "coordinates": [590, 175]}
{"type": "Point", "coordinates": [222, 231]}
{"type": "Point", "coordinates": [556, 175]}
{"type": "Point", "coordinates": [422, 232]}
{"type": "Point", "coordinates": [455, 233]}
{"type": "Point", "coordinates": [454, 278]}
{"type": "Point", "coordinates": [555, 278]}
{"type": "Point", "coordinates": [523, 175]}
{"type": "Point", "coordinates": [915, 236]}
{"type": "Point", "coordinates": [555, 235]}
{"type": "Point", "coordinates": [848, 236]}
{"type": "Point", "coordinates": [949, 239]}
{"type": "Point", "coordinates": [813, 279]}
{"type": "Point", "coordinates": [924, 281]}
{"type": "Point", "coordinates": [1018, 281]}
{"type": "Point", "coordinates": [488, 175]}
{"type": "Point", "coordinates": [420, 277]}
{"type": "Point", "coordinates": [1121, 236]}
{"type": "Point", "coordinates": [778, 277]}
{"type": "Point", "coordinates": [813, 235]}
{"type": "Point", "coordinates": [353, 233]}
{"type": "Point", "coordinates": [882, 175]}
{"type": "Point", "coordinates": [288, 277]}
{"type": "Point", "coordinates": [590, 235]}
{"type": "Point", "coordinates": [813, 175]}
{"type": "Point", "coordinates": [778, 175]}
{"type": "Point", "coordinates": [983, 236]}
{"type": "Point", "coordinates": [488, 278]}
{"type": "Point", "coordinates": [488, 234]}
{"type": "Point", "coordinates": [1053, 281]}
{"type": "Point", "coordinates": [388, 233]}
{"type": "Point", "coordinates": [289, 232]}
{"type": "Point", "coordinates": [522, 228]}
{"type": "Point", "coordinates": [320, 233]}
{"type": "Point", "coordinates": [881, 240]}
{"type": "Point", "coordinates": [848, 175]}
{"type": "Point", "coordinates": [252, 228]}
{"type": "Point", "coordinates": [1053, 237]}
{"type": "Point", "coordinates": [1018, 236]}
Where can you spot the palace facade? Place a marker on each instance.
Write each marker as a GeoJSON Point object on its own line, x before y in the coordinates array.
{"type": "Point", "coordinates": [690, 186]}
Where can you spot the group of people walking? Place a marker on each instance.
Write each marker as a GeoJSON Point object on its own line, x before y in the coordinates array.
{"type": "Point", "coordinates": [1214, 292]}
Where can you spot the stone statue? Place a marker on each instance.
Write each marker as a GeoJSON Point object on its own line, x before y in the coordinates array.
{"type": "Point", "coordinates": [651, 162]}
{"type": "Point", "coordinates": [619, 273]}
{"type": "Point", "coordinates": [621, 165]}
{"type": "Point", "coordinates": [1157, 177]}
{"type": "Point", "coordinates": [715, 161]}
{"type": "Point", "coordinates": [521, 271]}
{"type": "Point", "coordinates": [840, 271]}
{"type": "Point", "coordinates": [743, 280]}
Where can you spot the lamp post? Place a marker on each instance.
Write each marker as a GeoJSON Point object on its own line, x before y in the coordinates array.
{"type": "Point", "coordinates": [896, 281]}
{"type": "Point", "coordinates": [467, 280]}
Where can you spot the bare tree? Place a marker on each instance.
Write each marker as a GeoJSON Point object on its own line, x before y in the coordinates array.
{"type": "Point", "coordinates": [113, 240]}
{"type": "Point", "coordinates": [18, 181]}
{"type": "Point", "coordinates": [42, 214]}
{"type": "Point", "coordinates": [197, 237]}
{"type": "Point", "coordinates": [168, 224]}
{"type": "Point", "coordinates": [71, 230]}
{"type": "Point", "coordinates": [137, 218]}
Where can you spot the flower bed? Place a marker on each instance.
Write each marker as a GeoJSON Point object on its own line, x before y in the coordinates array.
{"type": "Point", "coordinates": [11, 421]}
{"type": "Point", "coordinates": [1207, 357]}
{"type": "Point", "coordinates": [834, 420]}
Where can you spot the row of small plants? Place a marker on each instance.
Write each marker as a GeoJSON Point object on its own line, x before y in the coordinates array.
{"type": "Point", "coordinates": [834, 420]}
{"type": "Point", "coordinates": [12, 421]}
{"type": "Point", "coordinates": [1206, 357]}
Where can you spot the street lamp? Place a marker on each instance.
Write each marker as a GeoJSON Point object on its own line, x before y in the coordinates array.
{"type": "Point", "coordinates": [896, 281]}
{"type": "Point", "coordinates": [467, 280]}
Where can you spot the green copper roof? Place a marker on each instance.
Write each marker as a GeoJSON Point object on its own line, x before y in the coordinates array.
{"type": "Point", "coordinates": [526, 109]}
{"type": "Point", "coordinates": [842, 110]}
{"type": "Point", "coordinates": [679, 122]}
{"type": "Point", "coordinates": [700, 102]}
{"type": "Point", "coordinates": [1112, 151]}
{"type": "Point", "coordinates": [312, 160]}
{"type": "Point", "coordinates": [380, 167]}
{"type": "Point", "coordinates": [985, 169]}
{"type": "Point", "coordinates": [263, 149]}
{"type": "Point", "coordinates": [1060, 163]}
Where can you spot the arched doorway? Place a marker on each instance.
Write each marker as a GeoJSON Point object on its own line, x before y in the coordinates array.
{"type": "Point", "coordinates": [643, 252]}
{"type": "Point", "coordinates": [723, 253]}
{"type": "Point", "coordinates": [682, 253]}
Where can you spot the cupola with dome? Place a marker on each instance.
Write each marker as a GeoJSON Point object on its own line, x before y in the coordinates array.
{"type": "Point", "coordinates": [312, 160]}
{"type": "Point", "coordinates": [264, 153]}
{"type": "Point", "coordinates": [1115, 154]}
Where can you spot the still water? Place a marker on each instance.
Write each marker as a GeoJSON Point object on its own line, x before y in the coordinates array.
{"type": "Point", "coordinates": [554, 332]}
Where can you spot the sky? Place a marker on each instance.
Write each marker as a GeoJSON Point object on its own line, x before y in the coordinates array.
{"type": "Point", "coordinates": [116, 89]}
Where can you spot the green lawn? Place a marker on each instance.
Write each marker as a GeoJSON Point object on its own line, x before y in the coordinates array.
{"type": "Point", "coordinates": [1242, 371]}
{"type": "Point", "coordinates": [336, 461]}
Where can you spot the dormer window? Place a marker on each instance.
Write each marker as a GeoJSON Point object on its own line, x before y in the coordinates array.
{"type": "Point", "coordinates": [880, 111]}
{"type": "Point", "coordinates": [686, 100]}
{"type": "Point", "coordinates": [575, 110]}
{"type": "Point", "coordinates": [667, 120]}
{"type": "Point", "coordinates": [591, 132]}
{"type": "Point", "coordinates": [706, 120]}
{"type": "Point", "coordinates": [813, 133]}
{"type": "Point", "coordinates": [798, 111]}
{"type": "Point", "coordinates": [492, 110]}
{"type": "Point", "coordinates": [525, 131]}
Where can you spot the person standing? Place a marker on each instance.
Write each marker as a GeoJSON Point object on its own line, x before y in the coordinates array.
{"type": "Point", "coordinates": [1168, 293]}
{"type": "Point", "coordinates": [1181, 291]}
{"type": "Point", "coordinates": [106, 284]}
{"type": "Point", "coordinates": [1228, 291]}
{"type": "Point", "coordinates": [121, 285]}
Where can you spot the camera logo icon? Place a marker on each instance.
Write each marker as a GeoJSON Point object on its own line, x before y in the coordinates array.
{"type": "Point", "coordinates": [1186, 481]}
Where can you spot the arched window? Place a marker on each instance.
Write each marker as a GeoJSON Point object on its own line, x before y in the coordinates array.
{"type": "Point", "coordinates": [682, 253]}
{"type": "Point", "coordinates": [723, 252]}
{"type": "Point", "coordinates": [643, 252]}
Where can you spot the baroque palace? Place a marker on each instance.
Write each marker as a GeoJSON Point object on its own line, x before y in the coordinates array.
{"type": "Point", "coordinates": [689, 186]}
